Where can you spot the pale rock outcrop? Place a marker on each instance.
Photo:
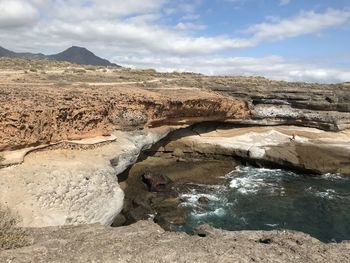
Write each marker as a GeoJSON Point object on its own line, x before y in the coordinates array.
{"type": "Point", "coordinates": [60, 186]}
{"type": "Point", "coordinates": [312, 149]}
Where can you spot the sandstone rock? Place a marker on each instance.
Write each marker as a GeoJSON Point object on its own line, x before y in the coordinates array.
{"type": "Point", "coordinates": [39, 115]}
{"type": "Point", "coordinates": [178, 152]}
{"type": "Point", "coordinates": [312, 150]}
{"type": "Point", "coordinates": [59, 187]}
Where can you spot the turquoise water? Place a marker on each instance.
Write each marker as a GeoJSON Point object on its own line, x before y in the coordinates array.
{"type": "Point", "coordinates": [264, 199]}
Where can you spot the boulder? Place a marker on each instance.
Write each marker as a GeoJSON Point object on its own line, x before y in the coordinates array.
{"type": "Point", "coordinates": [156, 182]}
{"type": "Point", "coordinates": [203, 200]}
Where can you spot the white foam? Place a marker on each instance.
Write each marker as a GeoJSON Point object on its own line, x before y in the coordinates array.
{"type": "Point", "coordinates": [333, 176]}
{"type": "Point", "coordinates": [192, 199]}
{"type": "Point", "coordinates": [220, 212]}
{"type": "Point", "coordinates": [328, 193]}
{"type": "Point", "coordinates": [272, 225]}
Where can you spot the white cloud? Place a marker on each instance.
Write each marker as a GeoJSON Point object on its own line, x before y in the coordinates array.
{"type": "Point", "coordinates": [190, 17]}
{"type": "Point", "coordinates": [72, 10]}
{"type": "Point", "coordinates": [273, 67]}
{"type": "Point", "coordinates": [190, 26]}
{"type": "Point", "coordinates": [133, 26]}
{"type": "Point", "coordinates": [136, 36]}
{"type": "Point", "coordinates": [284, 2]}
{"type": "Point", "coordinates": [16, 13]}
{"type": "Point", "coordinates": [140, 31]}
{"type": "Point", "coordinates": [304, 23]}
{"type": "Point", "coordinates": [146, 34]}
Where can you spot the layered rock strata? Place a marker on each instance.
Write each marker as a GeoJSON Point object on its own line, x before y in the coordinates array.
{"type": "Point", "coordinates": [37, 115]}
{"type": "Point", "coordinates": [304, 149]}
{"type": "Point", "coordinates": [277, 102]}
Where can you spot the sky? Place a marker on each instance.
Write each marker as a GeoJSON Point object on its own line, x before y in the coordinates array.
{"type": "Point", "coordinates": [292, 40]}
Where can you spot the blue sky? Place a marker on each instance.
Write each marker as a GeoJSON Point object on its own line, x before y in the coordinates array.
{"type": "Point", "coordinates": [232, 16]}
{"type": "Point", "coordinates": [294, 40]}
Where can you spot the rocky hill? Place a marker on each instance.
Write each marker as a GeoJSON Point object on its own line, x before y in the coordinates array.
{"type": "Point", "coordinates": [81, 56]}
{"type": "Point", "coordinates": [76, 55]}
{"type": "Point", "coordinates": [6, 53]}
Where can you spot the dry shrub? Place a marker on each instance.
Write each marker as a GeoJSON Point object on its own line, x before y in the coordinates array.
{"type": "Point", "coordinates": [79, 71]}
{"type": "Point", "coordinates": [11, 236]}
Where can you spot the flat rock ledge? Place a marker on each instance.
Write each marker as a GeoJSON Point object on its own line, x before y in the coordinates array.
{"type": "Point", "coordinates": [147, 242]}
{"type": "Point", "coordinates": [300, 148]}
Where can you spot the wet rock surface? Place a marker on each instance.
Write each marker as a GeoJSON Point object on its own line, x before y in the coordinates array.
{"type": "Point", "coordinates": [149, 199]}
{"type": "Point", "coordinates": [156, 182]}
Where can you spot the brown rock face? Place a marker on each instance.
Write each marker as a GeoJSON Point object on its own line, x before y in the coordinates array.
{"type": "Point", "coordinates": [73, 103]}
{"type": "Point", "coordinates": [39, 115]}
{"type": "Point", "coordinates": [156, 182]}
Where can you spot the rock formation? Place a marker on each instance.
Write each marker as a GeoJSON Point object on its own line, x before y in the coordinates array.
{"type": "Point", "coordinates": [67, 132]}
{"type": "Point", "coordinates": [63, 186]}
{"type": "Point", "coordinates": [147, 242]}
{"type": "Point", "coordinates": [277, 102]}
{"type": "Point", "coordinates": [35, 115]}
{"type": "Point", "coordinates": [291, 147]}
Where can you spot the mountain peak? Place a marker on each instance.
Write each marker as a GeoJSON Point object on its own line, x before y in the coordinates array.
{"type": "Point", "coordinates": [74, 54]}
{"type": "Point", "coordinates": [77, 48]}
{"type": "Point", "coordinates": [81, 55]}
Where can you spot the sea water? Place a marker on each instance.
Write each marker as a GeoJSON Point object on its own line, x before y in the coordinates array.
{"type": "Point", "coordinates": [267, 199]}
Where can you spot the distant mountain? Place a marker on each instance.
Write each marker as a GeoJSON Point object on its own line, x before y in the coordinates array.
{"type": "Point", "coordinates": [77, 55]}
{"type": "Point", "coordinates": [80, 55]}
{"type": "Point", "coordinates": [6, 53]}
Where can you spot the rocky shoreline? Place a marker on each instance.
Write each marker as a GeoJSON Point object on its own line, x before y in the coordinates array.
{"type": "Point", "coordinates": [204, 153]}
{"type": "Point", "coordinates": [153, 186]}
{"type": "Point", "coordinates": [297, 148]}
{"type": "Point", "coordinates": [49, 184]}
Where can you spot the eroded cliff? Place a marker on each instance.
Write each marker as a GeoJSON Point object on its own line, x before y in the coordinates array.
{"type": "Point", "coordinates": [80, 128]}
{"type": "Point", "coordinates": [33, 115]}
